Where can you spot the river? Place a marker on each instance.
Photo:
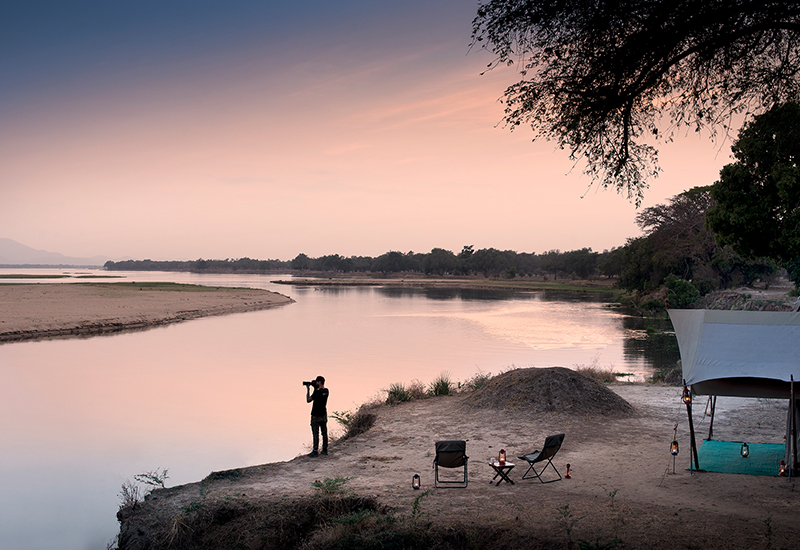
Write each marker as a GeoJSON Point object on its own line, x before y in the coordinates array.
{"type": "Point", "coordinates": [81, 416]}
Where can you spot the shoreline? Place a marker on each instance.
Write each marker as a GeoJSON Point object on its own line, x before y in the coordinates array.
{"type": "Point", "coordinates": [42, 311]}
{"type": "Point", "coordinates": [512, 285]}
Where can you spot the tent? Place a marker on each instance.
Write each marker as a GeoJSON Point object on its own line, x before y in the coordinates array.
{"type": "Point", "coordinates": [744, 354]}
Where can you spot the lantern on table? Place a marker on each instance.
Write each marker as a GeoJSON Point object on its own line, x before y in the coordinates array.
{"type": "Point", "coordinates": [501, 457]}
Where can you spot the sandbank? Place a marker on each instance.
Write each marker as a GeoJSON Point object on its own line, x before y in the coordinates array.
{"type": "Point", "coordinates": [35, 311]}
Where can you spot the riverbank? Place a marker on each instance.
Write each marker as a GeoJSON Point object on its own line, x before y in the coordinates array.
{"type": "Point", "coordinates": [35, 311]}
{"type": "Point", "coordinates": [622, 491]}
{"type": "Point", "coordinates": [479, 283]}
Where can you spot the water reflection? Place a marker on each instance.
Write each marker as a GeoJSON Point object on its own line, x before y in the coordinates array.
{"type": "Point", "coordinates": [651, 339]}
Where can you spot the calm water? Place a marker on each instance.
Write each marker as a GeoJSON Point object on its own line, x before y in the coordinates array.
{"type": "Point", "coordinates": [80, 416]}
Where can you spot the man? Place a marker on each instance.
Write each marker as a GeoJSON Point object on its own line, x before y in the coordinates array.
{"type": "Point", "coordinates": [319, 414]}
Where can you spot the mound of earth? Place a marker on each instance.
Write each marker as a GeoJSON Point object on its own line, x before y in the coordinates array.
{"type": "Point", "coordinates": [549, 390]}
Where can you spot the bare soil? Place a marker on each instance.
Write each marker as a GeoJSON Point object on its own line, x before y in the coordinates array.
{"type": "Point", "coordinates": [622, 491]}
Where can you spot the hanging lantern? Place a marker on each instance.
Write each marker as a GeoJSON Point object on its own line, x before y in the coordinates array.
{"type": "Point", "coordinates": [501, 457]}
{"type": "Point", "coordinates": [567, 476]}
{"type": "Point", "coordinates": [415, 482]}
{"type": "Point", "coordinates": [745, 450]}
{"type": "Point", "coordinates": [674, 448]}
{"type": "Point", "coordinates": [687, 396]}
{"type": "Point", "coordinates": [782, 469]}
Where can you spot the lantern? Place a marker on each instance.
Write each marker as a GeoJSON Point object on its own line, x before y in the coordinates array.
{"type": "Point", "coordinates": [782, 469]}
{"type": "Point", "coordinates": [567, 476]}
{"type": "Point", "coordinates": [415, 482]}
{"type": "Point", "coordinates": [501, 457]}
{"type": "Point", "coordinates": [687, 396]}
{"type": "Point", "coordinates": [674, 448]}
{"type": "Point", "coordinates": [745, 450]}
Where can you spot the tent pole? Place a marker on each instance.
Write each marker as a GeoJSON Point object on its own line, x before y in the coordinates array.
{"type": "Point", "coordinates": [792, 470]}
{"type": "Point", "coordinates": [691, 432]}
{"type": "Point", "coordinates": [711, 423]}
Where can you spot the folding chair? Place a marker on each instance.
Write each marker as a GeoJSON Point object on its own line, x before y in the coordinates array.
{"type": "Point", "coordinates": [450, 454]}
{"type": "Point", "coordinates": [551, 446]}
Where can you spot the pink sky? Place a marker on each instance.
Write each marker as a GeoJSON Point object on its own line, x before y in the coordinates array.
{"type": "Point", "coordinates": [363, 128]}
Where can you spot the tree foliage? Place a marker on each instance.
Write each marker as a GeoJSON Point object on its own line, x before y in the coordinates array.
{"type": "Point", "coordinates": [677, 245]}
{"type": "Point", "coordinates": [598, 77]}
{"type": "Point", "coordinates": [757, 209]}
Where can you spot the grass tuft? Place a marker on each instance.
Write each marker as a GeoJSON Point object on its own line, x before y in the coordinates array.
{"type": "Point", "coordinates": [442, 385]}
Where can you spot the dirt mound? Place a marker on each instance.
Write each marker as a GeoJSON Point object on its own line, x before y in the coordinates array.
{"type": "Point", "coordinates": [548, 390]}
{"type": "Point", "coordinates": [746, 299]}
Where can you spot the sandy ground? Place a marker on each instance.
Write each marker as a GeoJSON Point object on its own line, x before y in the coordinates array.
{"type": "Point", "coordinates": [622, 486]}
{"type": "Point", "coordinates": [50, 310]}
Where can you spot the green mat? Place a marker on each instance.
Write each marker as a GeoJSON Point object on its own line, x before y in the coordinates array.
{"type": "Point", "coordinates": [726, 457]}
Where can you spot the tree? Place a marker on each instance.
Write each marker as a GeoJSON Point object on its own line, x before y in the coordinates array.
{"type": "Point", "coordinates": [677, 242]}
{"type": "Point", "coordinates": [489, 261]}
{"type": "Point", "coordinates": [597, 77]}
{"type": "Point", "coordinates": [757, 208]}
{"type": "Point", "coordinates": [439, 262]}
{"type": "Point", "coordinates": [681, 242]}
{"type": "Point", "coordinates": [301, 262]}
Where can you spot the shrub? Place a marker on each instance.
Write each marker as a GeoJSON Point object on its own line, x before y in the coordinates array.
{"type": "Point", "coordinates": [331, 486]}
{"type": "Point", "coordinates": [397, 393]}
{"type": "Point", "coordinates": [358, 422]}
{"type": "Point", "coordinates": [652, 305]}
{"type": "Point", "coordinates": [476, 382]}
{"type": "Point", "coordinates": [681, 293]}
{"type": "Point", "coordinates": [598, 373]}
{"type": "Point", "coordinates": [442, 385]}
{"type": "Point", "coordinates": [416, 390]}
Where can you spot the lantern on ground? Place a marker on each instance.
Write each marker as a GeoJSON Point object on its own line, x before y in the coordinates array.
{"type": "Point", "coordinates": [501, 457]}
{"type": "Point", "coordinates": [782, 469]}
{"type": "Point", "coordinates": [745, 450]}
{"type": "Point", "coordinates": [415, 482]}
{"type": "Point", "coordinates": [567, 476]}
{"type": "Point", "coordinates": [687, 396]}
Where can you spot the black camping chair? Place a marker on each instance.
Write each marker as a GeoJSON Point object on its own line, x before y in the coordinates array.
{"type": "Point", "coordinates": [551, 446]}
{"type": "Point", "coordinates": [450, 454]}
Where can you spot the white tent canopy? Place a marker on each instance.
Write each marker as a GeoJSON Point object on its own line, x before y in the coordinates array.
{"type": "Point", "coordinates": [738, 353]}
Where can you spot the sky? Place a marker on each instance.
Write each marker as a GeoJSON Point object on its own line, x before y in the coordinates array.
{"type": "Point", "coordinates": [186, 129]}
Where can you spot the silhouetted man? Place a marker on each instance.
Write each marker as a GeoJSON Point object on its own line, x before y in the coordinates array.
{"type": "Point", "coordinates": [319, 414]}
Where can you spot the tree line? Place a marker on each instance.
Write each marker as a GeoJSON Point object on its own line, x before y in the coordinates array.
{"type": "Point", "coordinates": [677, 249]}
{"type": "Point", "coordinates": [488, 262]}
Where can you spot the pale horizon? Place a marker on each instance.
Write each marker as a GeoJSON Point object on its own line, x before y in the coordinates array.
{"type": "Point", "coordinates": [197, 130]}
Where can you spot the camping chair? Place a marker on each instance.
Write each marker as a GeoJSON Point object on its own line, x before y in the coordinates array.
{"type": "Point", "coordinates": [450, 454]}
{"type": "Point", "coordinates": [551, 446]}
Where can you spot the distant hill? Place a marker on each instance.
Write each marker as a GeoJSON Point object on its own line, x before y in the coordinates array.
{"type": "Point", "coordinates": [14, 253]}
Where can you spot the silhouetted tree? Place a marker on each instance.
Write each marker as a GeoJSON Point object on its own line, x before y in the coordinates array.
{"type": "Point", "coordinates": [598, 76]}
